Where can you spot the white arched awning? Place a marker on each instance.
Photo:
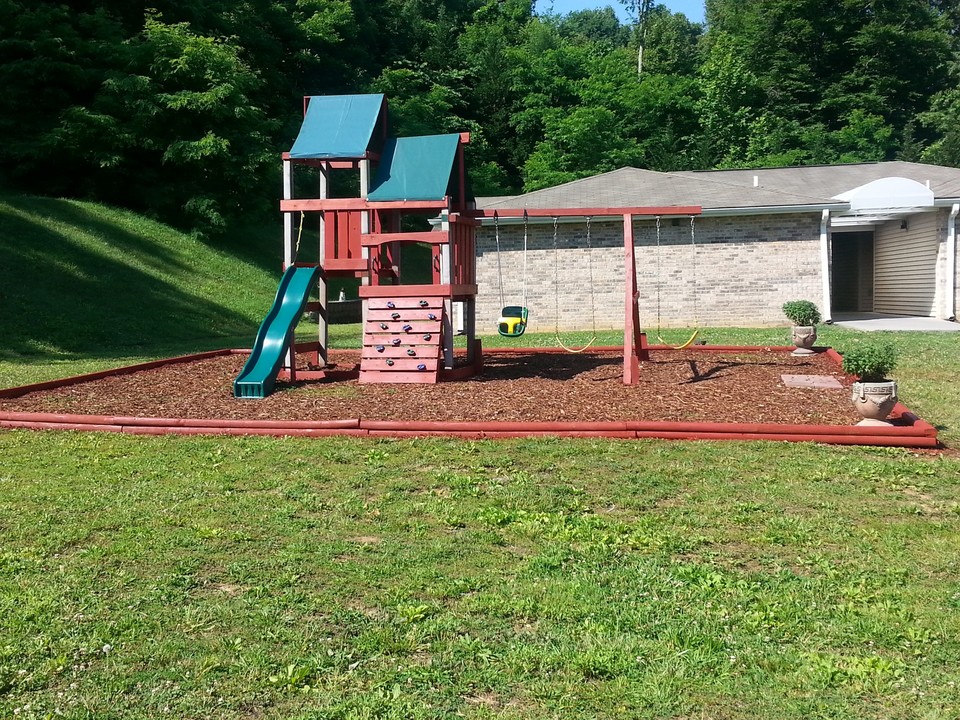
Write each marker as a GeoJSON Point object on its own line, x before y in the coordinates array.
{"type": "Point", "coordinates": [881, 200]}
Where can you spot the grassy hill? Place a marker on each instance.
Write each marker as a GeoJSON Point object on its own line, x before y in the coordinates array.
{"type": "Point", "coordinates": [85, 282]}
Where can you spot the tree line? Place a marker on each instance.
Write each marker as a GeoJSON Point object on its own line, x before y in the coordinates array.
{"type": "Point", "coordinates": [179, 108]}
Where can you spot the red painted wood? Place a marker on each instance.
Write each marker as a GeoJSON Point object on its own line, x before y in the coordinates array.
{"type": "Point", "coordinates": [401, 364]}
{"type": "Point", "coordinates": [351, 265]}
{"type": "Point", "coordinates": [327, 204]}
{"type": "Point", "coordinates": [126, 370]}
{"type": "Point", "coordinates": [389, 351]}
{"type": "Point", "coordinates": [436, 237]}
{"type": "Point", "coordinates": [278, 432]}
{"type": "Point", "coordinates": [426, 377]}
{"type": "Point", "coordinates": [406, 303]}
{"type": "Point", "coordinates": [407, 313]}
{"type": "Point", "coordinates": [460, 373]}
{"type": "Point", "coordinates": [90, 427]}
{"type": "Point", "coordinates": [631, 365]}
{"type": "Point", "coordinates": [417, 329]}
{"type": "Point", "coordinates": [417, 291]}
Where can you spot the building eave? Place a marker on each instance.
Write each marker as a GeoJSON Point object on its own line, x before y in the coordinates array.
{"type": "Point", "coordinates": [776, 209]}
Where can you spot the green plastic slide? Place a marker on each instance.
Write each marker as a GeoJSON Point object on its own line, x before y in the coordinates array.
{"type": "Point", "coordinates": [259, 374]}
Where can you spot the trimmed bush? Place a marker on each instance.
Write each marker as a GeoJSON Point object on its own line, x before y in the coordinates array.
{"type": "Point", "coordinates": [801, 313]}
{"type": "Point", "coordinates": [870, 361]}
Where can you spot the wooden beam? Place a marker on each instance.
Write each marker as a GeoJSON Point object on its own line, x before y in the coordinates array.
{"type": "Point", "coordinates": [631, 365]}
{"type": "Point", "coordinates": [315, 204]}
{"type": "Point", "coordinates": [417, 291]}
{"type": "Point", "coordinates": [429, 237]}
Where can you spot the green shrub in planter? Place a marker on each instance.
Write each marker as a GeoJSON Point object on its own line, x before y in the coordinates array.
{"type": "Point", "coordinates": [871, 361]}
{"type": "Point", "coordinates": [802, 313]}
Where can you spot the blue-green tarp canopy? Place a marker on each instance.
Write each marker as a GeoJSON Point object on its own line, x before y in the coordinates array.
{"type": "Point", "coordinates": [337, 126]}
{"type": "Point", "coordinates": [415, 168]}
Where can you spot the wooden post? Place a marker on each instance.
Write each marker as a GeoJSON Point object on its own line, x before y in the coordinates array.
{"type": "Point", "coordinates": [631, 364]}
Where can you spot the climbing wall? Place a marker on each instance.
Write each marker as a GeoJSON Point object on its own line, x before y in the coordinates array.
{"type": "Point", "coordinates": [401, 340]}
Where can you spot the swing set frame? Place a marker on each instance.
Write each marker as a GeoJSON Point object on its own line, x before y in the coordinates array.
{"type": "Point", "coordinates": [634, 339]}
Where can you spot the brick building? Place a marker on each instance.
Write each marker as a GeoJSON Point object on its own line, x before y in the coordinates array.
{"type": "Point", "coordinates": [871, 237]}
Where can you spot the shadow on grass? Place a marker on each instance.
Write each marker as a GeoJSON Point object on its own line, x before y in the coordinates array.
{"type": "Point", "coordinates": [62, 293]}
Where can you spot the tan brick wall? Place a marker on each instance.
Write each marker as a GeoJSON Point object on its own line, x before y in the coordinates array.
{"type": "Point", "coordinates": [741, 272]}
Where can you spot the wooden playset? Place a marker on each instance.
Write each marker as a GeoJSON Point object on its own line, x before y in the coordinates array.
{"type": "Point", "coordinates": [408, 329]}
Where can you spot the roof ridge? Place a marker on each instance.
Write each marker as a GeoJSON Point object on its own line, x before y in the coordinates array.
{"type": "Point", "coordinates": [819, 198]}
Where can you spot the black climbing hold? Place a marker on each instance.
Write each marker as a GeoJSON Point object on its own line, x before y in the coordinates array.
{"type": "Point", "coordinates": [431, 316]}
{"type": "Point", "coordinates": [423, 303]}
{"type": "Point", "coordinates": [379, 348]}
{"type": "Point", "coordinates": [427, 336]}
{"type": "Point", "coordinates": [395, 341]}
{"type": "Point", "coordinates": [395, 316]}
{"type": "Point", "coordinates": [421, 366]}
{"type": "Point", "coordinates": [390, 304]}
{"type": "Point", "coordinates": [383, 326]}
{"type": "Point", "coordinates": [407, 328]}
{"type": "Point", "coordinates": [389, 362]}
{"type": "Point", "coordinates": [411, 352]}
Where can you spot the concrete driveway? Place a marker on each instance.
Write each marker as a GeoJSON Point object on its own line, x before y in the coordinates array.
{"type": "Point", "coordinates": [873, 321]}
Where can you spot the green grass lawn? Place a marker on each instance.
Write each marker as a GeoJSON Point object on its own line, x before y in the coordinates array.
{"type": "Point", "coordinates": [350, 579]}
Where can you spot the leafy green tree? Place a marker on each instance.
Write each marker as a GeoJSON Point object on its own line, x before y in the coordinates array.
{"type": "Point", "coordinates": [731, 96]}
{"type": "Point", "coordinates": [943, 119]}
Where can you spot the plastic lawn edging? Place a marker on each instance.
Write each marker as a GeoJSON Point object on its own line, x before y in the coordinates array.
{"type": "Point", "coordinates": [912, 431]}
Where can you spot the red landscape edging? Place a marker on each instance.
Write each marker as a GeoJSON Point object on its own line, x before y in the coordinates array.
{"type": "Point", "coordinates": [915, 433]}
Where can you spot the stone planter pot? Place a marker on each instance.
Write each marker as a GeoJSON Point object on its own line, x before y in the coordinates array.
{"type": "Point", "coordinates": [874, 401]}
{"type": "Point", "coordinates": [804, 336]}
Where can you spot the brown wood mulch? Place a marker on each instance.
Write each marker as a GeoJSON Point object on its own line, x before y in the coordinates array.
{"type": "Point", "coordinates": [685, 385]}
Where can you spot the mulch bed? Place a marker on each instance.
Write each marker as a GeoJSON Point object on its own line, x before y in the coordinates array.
{"type": "Point", "coordinates": [683, 385]}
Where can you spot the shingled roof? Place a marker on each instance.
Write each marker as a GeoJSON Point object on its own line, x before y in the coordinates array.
{"type": "Point", "coordinates": [791, 189]}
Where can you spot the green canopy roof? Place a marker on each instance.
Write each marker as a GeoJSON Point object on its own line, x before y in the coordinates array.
{"type": "Point", "coordinates": [415, 168]}
{"type": "Point", "coordinates": [337, 126]}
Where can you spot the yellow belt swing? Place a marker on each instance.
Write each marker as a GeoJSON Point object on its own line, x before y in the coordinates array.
{"type": "Point", "coordinates": [693, 268]}
{"type": "Point", "coordinates": [556, 285]}
{"type": "Point", "coordinates": [513, 318]}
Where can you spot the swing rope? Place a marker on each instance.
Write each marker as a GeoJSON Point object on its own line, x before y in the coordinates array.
{"type": "Point", "coordinates": [296, 249]}
{"type": "Point", "coordinates": [556, 285]}
{"type": "Point", "coordinates": [523, 293]}
{"type": "Point", "coordinates": [693, 265]}
{"type": "Point", "coordinates": [496, 232]}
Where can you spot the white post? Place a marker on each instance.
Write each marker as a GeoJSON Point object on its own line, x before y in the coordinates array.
{"type": "Point", "coordinates": [951, 293]}
{"type": "Point", "coordinates": [825, 264]}
{"type": "Point", "coordinates": [446, 278]}
{"type": "Point", "coordinates": [364, 228]}
{"type": "Point", "coordinates": [287, 216]}
{"type": "Point", "coordinates": [323, 326]}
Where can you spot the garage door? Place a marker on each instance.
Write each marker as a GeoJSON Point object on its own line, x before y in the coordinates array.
{"type": "Point", "coordinates": [905, 267]}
